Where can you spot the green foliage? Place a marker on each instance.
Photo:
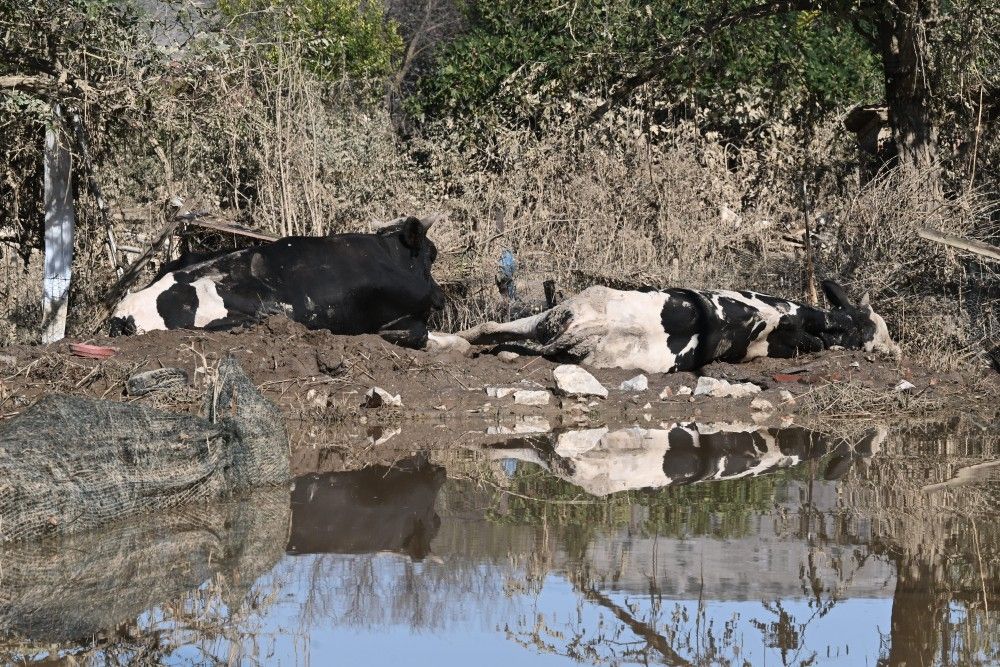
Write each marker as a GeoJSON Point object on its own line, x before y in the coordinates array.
{"type": "Point", "coordinates": [720, 509]}
{"type": "Point", "coordinates": [543, 51]}
{"type": "Point", "coordinates": [338, 37]}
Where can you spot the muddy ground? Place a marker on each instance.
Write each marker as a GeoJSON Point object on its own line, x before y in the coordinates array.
{"type": "Point", "coordinates": [320, 378]}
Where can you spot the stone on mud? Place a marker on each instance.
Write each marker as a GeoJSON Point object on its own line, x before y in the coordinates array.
{"type": "Point", "coordinates": [500, 392]}
{"type": "Point", "coordinates": [377, 397]}
{"type": "Point", "coordinates": [638, 383]}
{"type": "Point", "coordinates": [438, 343]}
{"type": "Point", "coordinates": [724, 389]}
{"type": "Point", "coordinates": [761, 405]}
{"type": "Point", "coordinates": [508, 357]}
{"type": "Point", "coordinates": [572, 380]}
{"type": "Point", "coordinates": [531, 397]}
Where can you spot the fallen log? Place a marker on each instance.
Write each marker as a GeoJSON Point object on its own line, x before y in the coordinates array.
{"type": "Point", "coordinates": [969, 245]}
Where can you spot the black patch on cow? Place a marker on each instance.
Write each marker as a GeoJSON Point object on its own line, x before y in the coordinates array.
{"type": "Point", "coordinates": [687, 313]}
{"type": "Point", "coordinates": [838, 467]}
{"type": "Point", "coordinates": [177, 306]}
{"type": "Point", "coordinates": [738, 451]}
{"type": "Point", "coordinates": [835, 294]}
{"type": "Point", "coordinates": [683, 462]}
{"type": "Point", "coordinates": [790, 339]}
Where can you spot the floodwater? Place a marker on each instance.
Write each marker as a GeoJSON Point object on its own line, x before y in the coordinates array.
{"type": "Point", "coordinates": [695, 544]}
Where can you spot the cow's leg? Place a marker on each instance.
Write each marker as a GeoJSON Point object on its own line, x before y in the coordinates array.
{"type": "Point", "coordinates": [408, 332]}
{"type": "Point", "coordinates": [786, 343]}
{"type": "Point", "coordinates": [492, 333]}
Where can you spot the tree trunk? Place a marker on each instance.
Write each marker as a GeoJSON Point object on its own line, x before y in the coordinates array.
{"type": "Point", "coordinates": [906, 60]}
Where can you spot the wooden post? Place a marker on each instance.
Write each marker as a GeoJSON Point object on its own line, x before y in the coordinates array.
{"type": "Point", "coordinates": [810, 267]}
{"type": "Point", "coordinates": [59, 224]}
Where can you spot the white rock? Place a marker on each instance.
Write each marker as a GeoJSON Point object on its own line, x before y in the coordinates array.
{"type": "Point", "coordinates": [683, 391]}
{"type": "Point", "coordinates": [385, 436]}
{"type": "Point", "coordinates": [787, 397]}
{"type": "Point", "coordinates": [443, 342]}
{"type": "Point", "coordinates": [762, 405]}
{"type": "Point", "coordinates": [508, 357]}
{"type": "Point", "coordinates": [500, 392]}
{"type": "Point", "coordinates": [905, 385]}
{"type": "Point", "coordinates": [638, 383]}
{"type": "Point", "coordinates": [533, 424]}
{"type": "Point", "coordinates": [572, 380]}
{"type": "Point", "coordinates": [532, 397]}
{"type": "Point", "coordinates": [723, 388]}
{"type": "Point", "coordinates": [666, 393]}
{"type": "Point", "coordinates": [377, 397]}
{"type": "Point", "coordinates": [648, 406]}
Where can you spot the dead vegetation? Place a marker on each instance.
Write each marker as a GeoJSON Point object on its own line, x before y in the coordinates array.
{"type": "Point", "coordinates": [258, 140]}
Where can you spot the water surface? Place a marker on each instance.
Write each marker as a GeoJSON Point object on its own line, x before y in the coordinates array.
{"type": "Point", "coordinates": [684, 544]}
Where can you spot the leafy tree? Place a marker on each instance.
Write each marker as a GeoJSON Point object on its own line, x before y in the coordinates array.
{"type": "Point", "coordinates": [786, 57]}
{"type": "Point", "coordinates": [338, 37]}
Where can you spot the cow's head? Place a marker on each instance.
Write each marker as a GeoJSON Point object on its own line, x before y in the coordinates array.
{"type": "Point", "coordinates": [873, 332]}
{"type": "Point", "coordinates": [411, 235]}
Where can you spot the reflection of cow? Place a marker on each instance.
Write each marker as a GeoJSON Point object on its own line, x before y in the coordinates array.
{"type": "Point", "coordinates": [684, 329]}
{"type": "Point", "coordinates": [602, 461]}
{"type": "Point", "coordinates": [347, 283]}
{"type": "Point", "coordinates": [374, 509]}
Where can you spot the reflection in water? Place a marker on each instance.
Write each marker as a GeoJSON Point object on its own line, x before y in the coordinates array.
{"type": "Point", "coordinates": [843, 559]}
{"type": "Point", "coordinates": [377, 508]}
{"type": "Point", "coordinates": [601, 461]}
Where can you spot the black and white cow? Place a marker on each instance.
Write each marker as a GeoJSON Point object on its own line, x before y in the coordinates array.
{"type": "Point", "coordinates": [601, 461]}
{"type": "Point", "coordinates": [347, 283]}
{"type": "Point", "coordinates": [684, 329]}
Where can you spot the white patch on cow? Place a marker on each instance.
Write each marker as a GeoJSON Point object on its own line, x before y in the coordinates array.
{"type": "Point", "coordinates": [141, 305]}
{"type": "Point", "coordinates": [210, 306]}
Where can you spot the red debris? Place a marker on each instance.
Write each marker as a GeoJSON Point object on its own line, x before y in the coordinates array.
{"type": "Point", "coordinates": [92, 351]}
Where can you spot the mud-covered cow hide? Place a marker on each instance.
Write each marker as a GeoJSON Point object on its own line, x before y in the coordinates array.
{"type": "Point", "coordinates": [347, 283]}
{"type": "Point", "coordinates": [684, 329]}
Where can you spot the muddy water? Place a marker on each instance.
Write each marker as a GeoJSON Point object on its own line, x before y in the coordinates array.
{"type": "Point", "coordinates": [685, 544]}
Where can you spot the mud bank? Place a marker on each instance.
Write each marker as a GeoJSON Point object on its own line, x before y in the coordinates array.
{"type": "Point", "coordinates": [318, 376]}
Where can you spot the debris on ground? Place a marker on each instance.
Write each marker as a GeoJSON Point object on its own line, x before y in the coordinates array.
{"type": "Point", "coordinates": [531, 397]}
{"type": "Point", "coordinates": [378, 397]}
{"type": "Point", "coordinates": [638, 383]}
{"type": "Point", "coordinates": [724, 389]}
{"type": "Point", "coordinates": [157, 379]}
{"type": "Point", "coordinates": [572, 380]}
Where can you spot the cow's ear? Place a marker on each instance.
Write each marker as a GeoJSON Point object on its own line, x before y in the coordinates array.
{"type": "Point", "coordinates": [865, 300]}
{"type": "Point", "coordinates": [835, 294]}
{"type": "Point", "coordinates": [413, 233]}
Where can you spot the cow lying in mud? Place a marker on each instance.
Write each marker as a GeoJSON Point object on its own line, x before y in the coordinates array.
{"type": "Point", "coordinates": [347, 283]}
{"type": "Point", "coordinates": [684, 329]}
